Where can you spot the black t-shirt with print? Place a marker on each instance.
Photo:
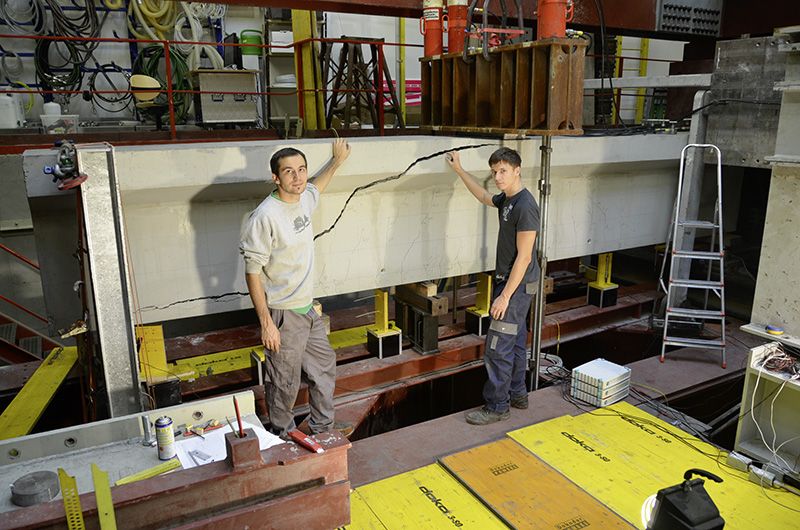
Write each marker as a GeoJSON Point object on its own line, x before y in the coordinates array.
{"type": "Point", "coordinates": [519, 213]}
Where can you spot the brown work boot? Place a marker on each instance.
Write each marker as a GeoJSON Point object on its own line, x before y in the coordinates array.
{"type": "Point", "coordinates": [484, 416]}
{"type": "Point", "coordinates": [520, 402]}
{"type": "Point", "coordinates": [345, 428]}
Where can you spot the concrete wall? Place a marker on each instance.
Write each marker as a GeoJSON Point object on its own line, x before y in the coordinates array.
{"type": "Point", "coordinates": [184, 205]}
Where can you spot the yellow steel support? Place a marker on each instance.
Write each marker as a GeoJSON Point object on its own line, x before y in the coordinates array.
{"type": "Point", "coordinates": [603, 272]}
{"type": "Point", "coordinates": [21, 415]}
{"type": "Point", "coordinates": [644, 51]}
{"type": "Point", "coordinates": [401, 64]}
{"type": "Point", "coordinates": [217, 363]}
{"type": "Point", "coordinates": [344, 338]}
{"type": "Point", "coordinates": [617, 73]}
{"type": "Point", "coordinates": [381, 311]}
{"type": "Point", "coordinates": [105, 505]}
{"type": "Point", "coordinates": [152, 354]}
{"type": "Point", "coordinates": [483, 295]}
{"type": "Point", "coordinates": [72, 500]}
{"type": "Point", "coordinates": [304, 26]}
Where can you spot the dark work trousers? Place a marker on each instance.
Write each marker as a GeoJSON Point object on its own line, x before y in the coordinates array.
{"type": "Point", "coordinates": [505, 354]}
{"type": "Point", "coordinates": [305, 354]}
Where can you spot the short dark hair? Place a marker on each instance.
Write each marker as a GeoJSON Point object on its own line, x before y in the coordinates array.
{"type": "Point", "coordinates": [275, 161]}
{"type": "Point", "coordinates": [505, 154]}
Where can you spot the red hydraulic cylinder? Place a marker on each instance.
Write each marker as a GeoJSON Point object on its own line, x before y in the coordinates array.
{"type": "Point", "coordinates": [456, 25]}
{"type": "Point", "coordinates": [431, 26]}
{"type": "Point", "coordinates": [551, 18]}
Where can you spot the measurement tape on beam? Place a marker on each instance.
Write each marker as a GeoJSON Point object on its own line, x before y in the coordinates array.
{"type": "Point", "coordinates": [154, 471]}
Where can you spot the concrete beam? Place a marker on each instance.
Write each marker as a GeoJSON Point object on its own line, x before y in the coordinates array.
{"type": "Point", "coordinates": [655, 81]}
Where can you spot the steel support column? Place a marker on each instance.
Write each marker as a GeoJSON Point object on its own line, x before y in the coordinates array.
{"type": "Point", "coordinates": [538, 304]}
{"type": "Point", "coordinates": [107, 277]}
{"type": "Point", "coordinates": [692, 189]}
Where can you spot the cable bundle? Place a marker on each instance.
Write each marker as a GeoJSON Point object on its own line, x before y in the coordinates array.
{"type": "Point", "coordinates": [118, 101]}
{"type": "Point", "coordinates": [157, 18]}
{"type": "Point", "coordinates": [28, 20]}
{"type": "Point", "coordinates": [204, 10]}
{"type": "Point", "coordinates": [45, 73]}
{"type": "Point", "coordinates": [81, 23]}
{"type": "Point", "coordinates": [147, 63]}
{"type": "Point", "coordinates": [194, 51]}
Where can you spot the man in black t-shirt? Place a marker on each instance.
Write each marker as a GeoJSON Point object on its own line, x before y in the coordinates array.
{"type": "Point", "coordinates": [515, 281]}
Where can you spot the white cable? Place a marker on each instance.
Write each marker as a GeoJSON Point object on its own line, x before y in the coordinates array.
{"type": "Point", "coordinates": [195, 51]}
{"type": "Point", "coordinates": [13, 70]}
{"type": "Point", "coordinates": [24, 16]}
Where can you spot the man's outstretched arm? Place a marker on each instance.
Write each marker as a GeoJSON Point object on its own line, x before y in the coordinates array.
{"type": "Point", "coordinates": [341, 150]}
{"type": "Point", "coordinates": [469, 180]}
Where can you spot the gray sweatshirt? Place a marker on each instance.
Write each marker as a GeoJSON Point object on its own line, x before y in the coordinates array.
{"type": "Point", "coordinates": [278, 242]}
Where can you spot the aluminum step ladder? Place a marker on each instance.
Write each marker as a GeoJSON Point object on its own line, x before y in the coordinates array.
{"type": "Point", "coordinates": [715, 255]}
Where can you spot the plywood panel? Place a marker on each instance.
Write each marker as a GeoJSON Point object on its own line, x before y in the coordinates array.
{"type": "Point", "coordinates": [524, 491]}
{"type": "Point", "coordinates": [427, 497]}
{"type": "Point", "coordinates": [621, 455]}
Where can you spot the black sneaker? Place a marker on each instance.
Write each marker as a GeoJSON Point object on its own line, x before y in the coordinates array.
{"type": "Point", "coordinates": [484, 416]}
{"type": "Point", "coordinates": [520, 402]}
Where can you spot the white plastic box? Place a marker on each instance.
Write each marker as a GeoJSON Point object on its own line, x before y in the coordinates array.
{"type": "Point", "coordinates": [63, 124]}
{"type": "Point", "coordinates": [600, 382]}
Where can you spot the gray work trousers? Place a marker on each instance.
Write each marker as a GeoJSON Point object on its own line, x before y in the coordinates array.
{"type": "Point", "coordinates": [305, 354]}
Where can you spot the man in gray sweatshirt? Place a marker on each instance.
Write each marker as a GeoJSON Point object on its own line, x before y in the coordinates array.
{"type": "Point", "coordinates": [278, 248]}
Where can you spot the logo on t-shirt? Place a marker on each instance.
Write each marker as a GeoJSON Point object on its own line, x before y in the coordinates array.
{"type": "Point", "coordinates": [507, 211]}
{"type": "Point", "coordinates": [301, 223]}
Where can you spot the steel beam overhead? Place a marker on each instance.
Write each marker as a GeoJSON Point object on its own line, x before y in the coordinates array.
{"type": "Point", "coordinates": [633, 15]}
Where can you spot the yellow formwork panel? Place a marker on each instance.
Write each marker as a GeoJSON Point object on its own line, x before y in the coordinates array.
{"type": "Point", "coordinates": [526, 492]}
{"type": "Point", "coordinates": [427, 497]}
{"type": "Point", "coordinates": [361, 515]}
{"type": "Point", "coordinates": [21, 415]}
{"type": "Point", "coordinates": [621, 459]}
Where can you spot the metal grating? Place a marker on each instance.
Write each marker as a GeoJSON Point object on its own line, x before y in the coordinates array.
{"type": "Point", "coordinates": [8, 332]}
{"type": "Point", "coordinates": [32, 345]}
{"type": "Point", "coordinates": [693, 17]}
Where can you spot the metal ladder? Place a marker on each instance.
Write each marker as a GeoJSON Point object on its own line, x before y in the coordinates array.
{"type": "Point", "coordinates": [715, 253]}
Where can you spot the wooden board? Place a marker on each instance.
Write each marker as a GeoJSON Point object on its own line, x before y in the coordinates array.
{"type": "Point", "coordinates": [427, 497]}
{"type": "Point", "coordinates": [621, 459]}
{"type": "Point", "coordinates": [524, 491]}
{"type": "Point", "coordinates": [361, 515]}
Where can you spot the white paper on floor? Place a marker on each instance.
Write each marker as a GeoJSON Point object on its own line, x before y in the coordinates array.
{"type": "Point", "coordinates": [196, 451]}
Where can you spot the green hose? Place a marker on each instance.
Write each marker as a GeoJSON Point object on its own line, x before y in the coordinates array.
{"type": "Point", "coordinates": [148, 62]}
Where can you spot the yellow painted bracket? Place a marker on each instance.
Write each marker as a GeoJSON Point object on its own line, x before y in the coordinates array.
{"type": "Point", "coordinates": [603, 280]}
{"type": "Point", "coordinates": [72, 501]}
{"type": "Point", "coordinates": [483, 295]}
{"type": "Point", "coordinates": [152, 354]}
{"type": "Point", "coordinates": [24, 411]}
{"type": "Point", "coordinates": [344, 338]}
{"type": "Point", "coordinates": [102, 493]}
{"type": "Point", "coordinates": [154, 471]}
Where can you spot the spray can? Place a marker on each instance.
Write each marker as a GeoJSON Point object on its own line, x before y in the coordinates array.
{"type": "Point", "coordinates": [165, 438]}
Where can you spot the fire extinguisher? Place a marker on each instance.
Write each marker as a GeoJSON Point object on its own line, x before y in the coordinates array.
{"type": "Point", "coordinates": [431, 25]}
{"type": "Point", "coordinates": [552, 18]}
{"type": "Point", "coordinates": [456, 25]}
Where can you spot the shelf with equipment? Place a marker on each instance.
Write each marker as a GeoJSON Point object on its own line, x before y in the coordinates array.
{"type": "Point", "coordinates": [768, 417]}
{"type": "Point", "coordinates": [280, 70]}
